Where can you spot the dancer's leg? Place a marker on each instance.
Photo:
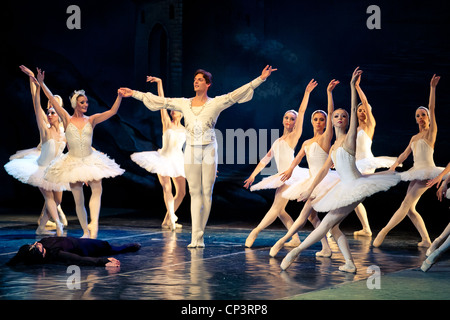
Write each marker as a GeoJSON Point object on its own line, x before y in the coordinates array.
{"type": "Point", "coordinates": [51, 209]}
{"type": "Point", "coordinates": [193, 171]}
{"type": "Point", "coordinates": [437, 242]}
{"type": "Point", "coordinates": [297, 225]}
{"type": "Point", "coordinates": [332, 219]}
{"type": "Point", "coordinates": [342, 243]}
{"type": "Point", "coordinates": [94, 206]}
{"type": "Point", "coordinates": [418, 222]}
{"type": "Point", "coordinates": [58, 198]}
{"type": "Point", "coordinates": [415, 190]}
{"type": "Point", "coordinates": [361, 213]}
{"type": "Point", "coordinates": [326, 250]}
{"type": "Point", "coordinates": [180, 192]}
{"type": "Point", "coordinates": [279, 203]}
{"type": "Point", "coordinates": [78, 197]}
{"type": "Point", "coordinates": [166, 185]}
{"type": "Point", "coordinates": [435, 255]}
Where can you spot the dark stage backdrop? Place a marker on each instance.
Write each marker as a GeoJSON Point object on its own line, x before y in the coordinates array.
{"type": "Point", "coordinates": [120, 42]}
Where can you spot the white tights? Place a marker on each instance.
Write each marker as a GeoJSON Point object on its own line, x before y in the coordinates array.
{"type": "Point", "coordinates": [200, 165]}
{"type": "Point", "coordinates": [330, 222]}
{"type": "Point", "coordinates": [94, 206]}
{"type": "Point", "coordinates": [408, 208]}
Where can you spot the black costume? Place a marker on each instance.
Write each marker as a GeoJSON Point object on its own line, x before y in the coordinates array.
{"type": "Point", "coordinates": [69, 250]}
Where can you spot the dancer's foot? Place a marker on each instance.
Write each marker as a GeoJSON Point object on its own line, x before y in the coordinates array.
{"type": "Point", "coordinates": [424, 244]}
{"type": "Point", "coordinates": [41, 231]}
{"type": "Point", "coordinates": [276, 247]}
{"type": "Point", "coordinates": [251, 238]}
{"type": "Point", "coordinates": [62, 216]}
{"type": "Point", "coordinates": [59, 229]}
{"type": "Point", "coordinates": [349, 267]}
{"type": "Point", "coordinates": [324, 253]}
{"type": "Point", "coordinates": [93, 229]}
{"type": "Point", "coordinates": [295, 242]}
{"type": "Point", "coordinates": [363, 233]}
{"type": "Point", "coordinates": [379, 239]}
{"type": "Point", "coordinates": [289, 259]}
{"type": "Point", "coordinates": [436, 243]}
{"type": "Point", "coordinates": [197, 241]}
{"type": "Point", "coordinates": [430, 260]}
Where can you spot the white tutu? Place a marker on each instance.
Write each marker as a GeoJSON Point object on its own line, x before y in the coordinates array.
{"type": "Point", "coordinates": [30, 168]}
{"type": "Point", "coordinates": [295, 189]}
{"type": "Point", "coordinates": [424, 167]}
{"type": "Point", "coordinates": [353, 186]}
{"type": "Point", "coordinates": [369, 165]}
{"type": "Point", "coordinates": [26, 153]}
{"type": "Point", "coordinates": [154, 162]}
{"type": "Point", "coordinates": [81, 163]}
{"type": "Point", "coordinates": [69, 169]}
{"type": "Point", "coordinates": [274, 181]}
{"type": "Point", "coordinates": [167, 161]}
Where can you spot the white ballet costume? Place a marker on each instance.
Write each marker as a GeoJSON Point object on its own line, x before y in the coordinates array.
{"type": "Point", "coordinates": [284, 155]}
{"type": "Point", "coordinates": [30, 169]}
{"type": "Point", "coordinates": [424, 167]}
{"type": "Point", "coordinates": [366, 162]}
{"type": "Point", "coordinates": [316, 157]}
{"type": "Point", "coordinates": [353, 186]}
{"type": "Point", "coordinates": [167, 161]}
{"type": "Point", "coordinates": [81, 163]}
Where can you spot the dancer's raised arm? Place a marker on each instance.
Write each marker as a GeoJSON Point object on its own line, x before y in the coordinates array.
{"type": "Point", "coordinates": [100, 117]}
{"type": "Point", "coordinates": [350, 139]}
{"type": "Point", "coordinates": [432, 132]}
{"type": "Point", "coordinates": [63, 114]}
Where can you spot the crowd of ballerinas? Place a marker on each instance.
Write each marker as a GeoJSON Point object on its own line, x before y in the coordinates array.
{"type": "Point", "coordinates": [338, 178]}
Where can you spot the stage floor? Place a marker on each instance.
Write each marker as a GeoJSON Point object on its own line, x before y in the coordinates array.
{"type": "Point", "coordinates": [165, 269]}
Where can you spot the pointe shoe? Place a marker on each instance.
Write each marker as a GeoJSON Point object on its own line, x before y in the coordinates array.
{"type": "Point", "coordinates": [276, 248]}
{"type": "Point", "coordinates": [251, 238]}
{"type": "Point", "coordinates": [430, 260]}
{"type": "Point", "coordinates": [379, 239]}
{"type": "Point", "coordinates": [59, 229]}
{"type": "Point", "coordinates": [289, 259]}
{"type": "Point", "coordinates": [324, 254]}
{"type": "Point", "coordinates": [93, 230]}
{"type": "Point", "coordinates": [295, 242]}
{"type": "Point", "coordinates": [348, 267]}
{"type": "Point", "coordinates": [424, 244]}
{"type": "Point", "coordinates": [363, 233]}
{"type": "Point", "coordinates": [41, 231]}
{"type": "Point", "coordinates": [197, 241]}
{"type": "Point", "coordinates": [62, 217]}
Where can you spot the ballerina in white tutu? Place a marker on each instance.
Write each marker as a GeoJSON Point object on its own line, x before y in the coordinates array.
{"type": "Point", "coordinates": [316, 152]}
{"type": "Point", "coordinates": [283, 152]}
{"type": "Point", "coordinates": [352, 188]}
{"type": "Point", "coordinates": [422, 147]}
{"type": "Point", "coordinates": [366, 162]}
{"type": "Point", "coordinates": [82, 163]}
{"type": "Point", "coordinates": [167, 162]}
{"type": "Point", "coordinates": [441, 243]}
{"type": "Point", "coordinates": [30, 169]}
{"type": "Point", "coordinates": [200, 156]}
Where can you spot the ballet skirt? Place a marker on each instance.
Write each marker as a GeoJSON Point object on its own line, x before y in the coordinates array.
{"type": "Point", "coordinates": [30, 168]}
{"type": "Point", "coordinates": [365, 160]}
{"type": "Point", "coordinates": [81, 163]}
{"type": "Point", "coordinates": [424, 167]}
{"type": "Point", "coordinates": [284, 155]}
{"type": "Point", "coordinates": [167, 161]}
{"type": "Point", "coordinates": [353, 186]}
{"type": "Point", "coordinates": [316, 157]}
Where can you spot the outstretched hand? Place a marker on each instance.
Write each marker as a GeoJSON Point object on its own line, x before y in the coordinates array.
{"type": "Point", "coordinates": [153, 79]}
{"type": "Point", "coordinates": [125, 92]}
{"type": "Point", "coordinates": [311, 85]}
{"type": "Point", "coordinates": [333, 83]}
{"type": "Point", "coordinates": [267, 71]}
{"type": "Point", "coordinates": [40, 75]}
{"type": "Point", "coordinates": [355, 76]}
{"type": "Point", "coordinates": [434, 81]}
